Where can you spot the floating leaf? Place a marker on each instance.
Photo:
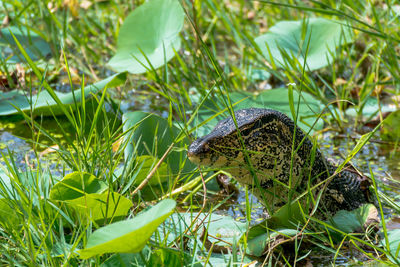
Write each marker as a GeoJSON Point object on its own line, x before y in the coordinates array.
{"type": "Point", "coordinates": [44, 104]}
{"type": "Point", "coordinates": [35, 46]}
{"type": "Point", "coordinates": [322, 36]}
{"type": "Point", "coordinates": [224, 227]}
{"type": "Point", "coordinates": [156, 257]}
{"type": "Point", "coordinates": [100, 207]}
{"type": "Point", "coordinates": [75, 185]}
{"type": "Point", "coordinates": [152, 135]}
{"type": "Point", "coordinates": [369, 109]}
{"type": "Point", "coordinates": [277, 99]}
{"type": "Point", "coordinates": [257, 245]}
{"type": "Point", "coordinates": [285, 221]}
{"type": "Point", "coordinates": [8, 215]}
{"type": "Point", "coordinates": [128, 236]}
{"type": "Point", "coordinates": [391, 127]}
{"type": "Point", "coordinates": [145, 165]}
{"type": "Point", "coordinates": [355, 220]}
{"type": "Point", "coordinates": [151, 29]}
{"type": "Point", "coordinates": [394, 244]}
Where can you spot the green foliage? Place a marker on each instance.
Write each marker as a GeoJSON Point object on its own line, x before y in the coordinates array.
{"type": "Point", "coordinates": [149, 134]}
{"type": "Point", "coordinates": [391, 127]}
{"type": "Point", "coordinates": [75, 185]}
{"type": "Point", "coordinates": [130, 235]}
{"type": "Point", "coordinates": [313, 40]}
{"type": "Point", "coordinates": [216, 63]}
{"type": "Point", "coordinates": [35, 46]}
{"type": "Point", "coordinates": [100, 208]}
{"type": "Point", "coordinates": [149, 37]}
{"type": "Point", "coordinates": [144, 165]}
{"type": "Point", "coordinates": [43, 103]}
{"type": "Point", "coordinates": [355, 220]}
{"type": "Point", "coordinates": [394, 244]}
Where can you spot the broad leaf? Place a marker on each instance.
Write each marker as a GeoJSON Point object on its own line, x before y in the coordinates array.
{"type": "Point", "coordinates": [224, 227]}
{"type": "Point", "coordinates": [155, 257]}
{"type": "Point", "coordinates": [128, 236]}
{"type": "Point", "coordinates": [144, 167]}
{"type": "Point", "coordinates": [394, 244]}
{"type": "Point", "coordinates": [75, 185]}
{"type": "Point", "coordinates": [321, 36]}
{"type": "Point", "coordinates": [391, 127]}
{"type": "Point", "coordinates": [257, 245]}
{"type": "Point", "coordinates": [355, 220]}
{"type": "Point", "coordinates": [35, 46]}
{"type": "Point", "coordinates": [44, 104]}
{"type": "Point", "coordinates": [152, 135]}
{"type": "Point", "coordinates": [149, 33]}
{"type": "Point", "coordinates": [285, 221]}
{"type": "Point", "coordinates": [101, 207]}
{"type": "Point", "coordinates": [8, 215]}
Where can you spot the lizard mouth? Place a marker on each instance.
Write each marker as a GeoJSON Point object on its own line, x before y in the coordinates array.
{"type": "Point", "coordinates": [193, 157]}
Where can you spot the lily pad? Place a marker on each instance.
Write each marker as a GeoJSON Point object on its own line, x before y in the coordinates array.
{"type": "Point", "coordinates": [128, 236]}
{"type": "Point", "coordinates": [101, 207]}
{"type": "Point", "coordinates": [287, 39]}
{"type": "Point", "coordinates": [35, 46]}
{"type": "Point", "coordinates": [155, 257]}
{"type": "Point", "coordinates": [152, 135]}
{"type": "Point", "coordinates": [258, 245]}
{"type": "Point", "coordinates": [285, 221]}
{"type": "Point", "coordinates": [394, 244]}
{"type": "Point", "coordinates": [391, 127]}
{"type": "Point", "coordinates": [225, 228]}
{"type": "Point", "coordinates": [75, 185]}
{"type": "Point", "coordinates": [355, 220]}
{"type": "Point", "coordinates": [145, 165]}
{"type": "Point", "coordinates": [44, 104]}
{"type": "Point", "coordinates": [149, 35]}
{"type": "Point", "coordinates": [8, 215]}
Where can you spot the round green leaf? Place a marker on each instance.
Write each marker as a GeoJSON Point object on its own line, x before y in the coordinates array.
{"type": "Point", "coordinates": [100, 207]}
{"type": "Point", "coordinates": [394, 244]}
{"type": "Point", "coordinates": [75, 185]}
{"type": "Point", "coordinates": [354, 220]}
{"type": "Point", "coordinates": [291, 39]}
{"type": "Point", "coordinates": [149, 33]}
{"type": "Point", "coordinates": [391, 127]}
{"type": "Point", "coordinates": [35, 46]}
{"type": "Point", "coordinates": [128, 236]}
{"type": "Point", "coordinates": [223, 227]}
{"type": "Point", "coordinates": [145, 165]}
{"type": "Point", "coordinates": [259, 244]}
{"type": "Point", "coordinates": [152, 135]}
{"type": "Point", "coordinates": [44, 104]}
{"type": "Point", "coordinates": [8, 215]}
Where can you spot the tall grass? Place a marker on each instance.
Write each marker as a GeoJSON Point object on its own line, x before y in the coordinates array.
{"type": "Point", "coordinates": [217, 58]}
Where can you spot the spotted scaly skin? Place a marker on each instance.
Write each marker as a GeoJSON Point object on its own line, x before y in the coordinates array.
{"type": "Point", "coordinates": [257, 151]}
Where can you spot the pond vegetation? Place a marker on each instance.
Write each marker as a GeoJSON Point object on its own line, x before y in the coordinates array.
{"type": "Point", "coordinates": [100, 100]}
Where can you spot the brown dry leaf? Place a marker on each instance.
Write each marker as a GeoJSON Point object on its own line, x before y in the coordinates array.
{"type": "Point", "coordinates": [116, 145]}
{"type": "Point", "coordinates": [49, 150]}
{"type": "Point", "coordinates": [20, 75]}
{"type": "Point", "coordinates": [340, 81]}
{"type": "Point", "coordinates": [73, 6]}
{"type": "Point", "coordinates": [8, 84]}
{"type": "Point", "coordinates": [5, 21]}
